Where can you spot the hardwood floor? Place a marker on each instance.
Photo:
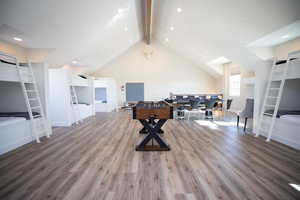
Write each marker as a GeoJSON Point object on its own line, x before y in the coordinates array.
{"type": "Point", "coordinates": [97, 160]}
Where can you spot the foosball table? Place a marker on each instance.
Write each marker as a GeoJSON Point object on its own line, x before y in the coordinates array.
{"type": "Point", "coordinates": [152, 115]}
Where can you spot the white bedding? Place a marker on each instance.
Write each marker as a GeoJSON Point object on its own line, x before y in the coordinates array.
{"type": "Point", "coordinates": [4, 121]}
{"type": "Point", "coordinates": [291, 118]}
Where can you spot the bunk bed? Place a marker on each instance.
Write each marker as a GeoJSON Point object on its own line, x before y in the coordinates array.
{"type": "Point", "coordinates": [15, 120]}
{"type": "Point", "coordinates": [105, 95]}
{"type": "Point", "coordinates": [293, 69]}
{"type": "Point", "coordinates": [284, 90]}
{"type": "Point", "coordinates": [9, 72]}
{"type": "Point", "coordinates": [71, 97]}
{"type": "Point", "coordinates": [79, 80]}
{"type": "Point", "coordinates": [15, 132]}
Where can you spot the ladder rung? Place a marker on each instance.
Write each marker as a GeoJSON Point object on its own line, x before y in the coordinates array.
{"type": "Point", "coordinates": [269, 114]}
{"type": "Point", "coordinates": [36, 116]}
{"type": "Point", "coordinates": [274, 88]}
{"type": "Point", "coordinates": [30, 91]}
{"type": "Point", "coordinates": [35, 107]}
{"type": "Point", "coordinates": [32, 99]}
{"type": "Point", "coordinates": [26, 73]}
{"type": "Point", "coordinates": [269, 105]}
{"type": "Point", "coordinates": [271, 97]}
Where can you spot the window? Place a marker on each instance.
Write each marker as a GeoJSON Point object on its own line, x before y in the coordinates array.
{"type": "Point", "coordinates": [234, 85]}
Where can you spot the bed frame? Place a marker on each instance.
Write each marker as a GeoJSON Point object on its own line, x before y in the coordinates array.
{"type": "Point", "coordinates": [290, 130]}
{"type": "Point", "coordinates": [76, 80]}
{"type": "Point", "coordinates": [292, 73]}
{"type": "Point", "coordinates": [9, 72]}
{"type": "Point", "coordinates": [14, 135]}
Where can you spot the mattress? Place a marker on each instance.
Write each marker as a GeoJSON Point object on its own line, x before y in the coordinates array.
{"type": "Point", "coordinates": [291, 118]}
{"type": "Point", "coordinates": [4, 121]}
{"type": "Point", "coordinates": [17, 114]}
{"type": "Point", "coordinates": [281, 113]}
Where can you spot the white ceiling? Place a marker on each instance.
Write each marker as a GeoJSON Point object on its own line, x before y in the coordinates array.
{"type": "Point", "coordinates": [206, 30]}
{"type": "Point", "coordinates": [289, 32]}
{"type": "Point", "coordinates": [93, 32]}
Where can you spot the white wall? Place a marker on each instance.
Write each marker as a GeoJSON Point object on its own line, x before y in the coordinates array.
{"type": "Point", "coordinates": [281, 51]}
{"type": "Point", "coordinates": [162, 73]}
{"type": "Point", "coordinates": [59, 97]}
{"type": "Point", "coordinates": [247, 91]}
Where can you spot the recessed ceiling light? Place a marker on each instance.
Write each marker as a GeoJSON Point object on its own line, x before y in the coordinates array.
{"type": "Point", "coordinates": [167, 39]}
{"type": "Point", "coordinates": [126, 29]}
{"type": "Point", "coordinates": [285, 36]}
{"type": "Point", "coordinates": [74, 61]}
{"type": "Point", "coordinates": [179, 10]}
{"type": "Point", "coordinates": [120, 10]}
{"type": "Point", "coordinates": [18, 39]}
{"type": "Point", "coordinates": [172, 28]}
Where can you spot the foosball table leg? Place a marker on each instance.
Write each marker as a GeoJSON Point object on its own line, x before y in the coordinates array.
{"type": "Point", "coordinates": [153, 131]}
{"type": "Point", "coordinates": [143, 131]}
{"type": "Point", "coordinates": [153, 123]}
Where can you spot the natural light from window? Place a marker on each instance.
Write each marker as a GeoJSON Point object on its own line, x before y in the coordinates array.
{"type": "Point", "coordinates": [295, 186]}
{"type": "Point", "coordinates": [235, 85]}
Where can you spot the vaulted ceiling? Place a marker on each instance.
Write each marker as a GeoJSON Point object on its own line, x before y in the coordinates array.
{"type": "Point", "coordinates": [96, 31]}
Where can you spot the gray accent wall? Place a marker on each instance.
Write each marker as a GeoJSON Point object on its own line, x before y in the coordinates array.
{"type": "Point", "coordinates": [134, 92]}
{"type": "Point", "coordinates": [11, 98]}
{"type": "Point", "coordinates": [291, 95]}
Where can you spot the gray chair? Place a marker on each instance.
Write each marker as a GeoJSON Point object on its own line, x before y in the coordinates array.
{"type": "Point", "coordinates": [209, 105]}
{"type": "Point", "coordinates": [195, 109]}
{"type": "Point", "coordinates": [228, 104]}
{"type": "Point", "coordinates": [246, 113]}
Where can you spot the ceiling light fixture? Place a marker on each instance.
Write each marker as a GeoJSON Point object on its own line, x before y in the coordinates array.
{"type": "Point", "coordinates": [179, 10]}
{"type": "Point", "coordinates": [167, 39]}
{"type": "Point", "coordinates": [126, 29]}
{"type": "Point", "coordinates": [172, 28]}
{"type": "Point", "coordinates": [18, 39]}
{"type": "Point", "coordinates": [74, 61]}
{"type": "Point", "coordinates": [285, 36]}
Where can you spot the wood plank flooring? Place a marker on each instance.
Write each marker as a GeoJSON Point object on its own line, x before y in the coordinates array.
{"type": "Point", "coordinates": [97, 160]}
